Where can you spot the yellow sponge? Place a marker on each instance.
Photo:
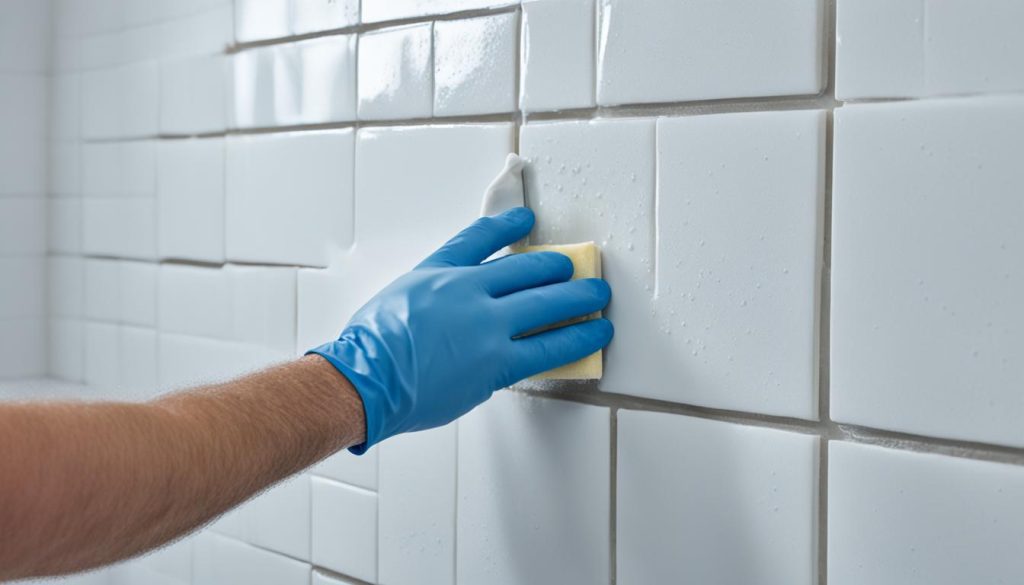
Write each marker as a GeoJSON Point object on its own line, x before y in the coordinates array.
{"type": "Point", "coordinates": [586, 260]}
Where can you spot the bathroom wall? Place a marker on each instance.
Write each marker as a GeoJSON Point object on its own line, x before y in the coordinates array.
{"type": "Point", "coordinates": [810, 214]}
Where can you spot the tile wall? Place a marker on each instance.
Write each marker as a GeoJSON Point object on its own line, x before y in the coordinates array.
{"type": "Point", "coordinates": [810, 213]}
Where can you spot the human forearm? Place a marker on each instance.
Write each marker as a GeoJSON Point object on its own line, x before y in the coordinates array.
{"type": "Point", "coordinates": [102, 482]}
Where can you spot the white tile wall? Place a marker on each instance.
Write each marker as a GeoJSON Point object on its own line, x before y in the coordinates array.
{"type": "Point", "coordinates": [282, 181]}
{"type": "Point", "coordinates": [925, 321]}
{"type": "Point", "coordinates": [913, 518]}
{"type": "Point", "coordinates": [910, 48]}
{"type": "Point", "coordinates": [740, 508]}
{"type": "Point", "coordinates": [533, 492]}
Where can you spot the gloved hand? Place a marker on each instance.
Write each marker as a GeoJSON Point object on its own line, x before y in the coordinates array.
{"type": "Point", "coordinates": [441, 339]}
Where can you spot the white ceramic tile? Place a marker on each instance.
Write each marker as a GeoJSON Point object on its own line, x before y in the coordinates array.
{"type": "Point", "coordinates": [66, 286]}
{"type": "Point", "coordinates": [122, 227]}
{"type": "Point", "coordinates": [445, 171]}
{"type": "Point", "coordinates": [916, 518]}
{"type": "Point", "coordinates": [101, 169]}
{"type": "Point", "coordinates": [306, 212]}
{"type": "Point", "coordinates": [140, 100]}
{"type": "Point", "coordinates": [64, 177]}
{"type": "Point", "coordinates": [23, 153]}
{"type": "Point", "coordinates": [474, 65]}
{"type": "Point", "coordinates": [137, 282]}
{"type": "Point", "coordinates": [595, 181]}
{"type": "Point", "coordinates": [22, 226]}
{"type": "Point", "coordinates": [195, 301]}
{"type": "Point", "coordinates": [345, 529]}
{"type": "Point", "coordinates": [22, 287]}
{"type": "Point", "coordinates": [317, 15]}
{"type": "Point", "coordinates": [416, 508]}
{"type": "Point", "coordinates": [357, 470]}
{"type": "Point", "coordinates": [102, 357]}
{"type": "Point", "coordinates": [279, 519]}
{"type": "Point", "coordinates": [23, 42]}
{"type": "Point", "coordinates": [739, 509]}
{"type": "Point", "coordinates": [663, 50]}
{"type": "Point", "coordinates": [879, 48]}
{"type": "Point", "coordinates": [137, 374]}
{"type": "Point", "coordinates": [396, 73]}
{"type": "Point", "coordinates": [261, 19]}
{"type": "Point", "coordinates": [138, 168]}
{"type": "Point", "coordinates": [327, 79]}
{"type": "Point", "coordinates": [101, 99]}
{"type": "Point", "coordinates": [377, 10]}
{"type": "Point", "coordinates": [909, 48]}
{"type": "Point", "coordinates": [557, 66]}
{"type": "Point", "coordinates": [219, 560]}
{"type": "Point", "coordinates": [193, 95]}
{"type": "Point", "coordinates": [64, 226]}
{"type": "Point", "coordinates": [925, 245]}
{"type": "Point", "coordinates": [190, 199]}
{"type": "Point", "coordinates": [738, 247]}
{"type": "Point", "coordinates": [262, 302]}
{"type": "Point", "coordinates": [65, 350]}
{"type": "Point", "coordinates": [102, 293]}
{"type": "Point", "coordinates": [533, 492]}
{"type": "Point", "coordinates": [25, 349]}
{"type": "Point", "coordinates": [258, 87]}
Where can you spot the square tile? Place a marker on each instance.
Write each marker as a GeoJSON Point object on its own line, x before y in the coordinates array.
{"type": "Point", "coordinates": [220, 560]}
{"type": "Point", "coordinates": [557, 70]}
{"type": "Point", "coordinates": [22, 226]}
{"type": "Point", "coordinates": [23, 287]}
{"type": "Point", "coordinates": [190, 199]}
{"type": "Point", "coordinates": [327, 79]}
{"type": "Point", "coordinates": [203, 33]}
{"type": "Point", "coordinates": [263, 87]}
{"type": "Point", "coordinates": [140, 100]}
{"type": "Point", "coordinates": [474, 65]}
{"type": "Point", "coordinates": [138, 283]}
{"type": "Point", "coordinates": [357, 470]}
{"type": "Point", "coordinates": [595, 181]}
{"type": "Point", "coordinates": [416, 508]}
{"type": "Point", "coordinates": [102, 291]}
{"type": "Point", "coordinates": [66, 106]}
{"type": "Point", "coordinates": [308, 209]}
{"type": "Point", "coordinates": [103, 357]}
{"type": "Point", "coordinates": [279, 518]}
{"type": "Point", "coordinates": [910, 48]}
{"type": "Point", "coordinates": [119, 227]}
{"type": "Point", "coordinates": [22, 145]}
{"type": "Point", "coordinates": [740, 205]}
{"type": "Point", "coordinates": [345, 529]}
{"type": "Point", "coordinates": [65, 166]}
{"type": "Point", "coordinates": [193, 95]}
{"type": "Point", "coordinates": [195, 301]}
{"type": "Point", "coordinates": [920, 518]}
{"type": "Point", "coordinates": [317, 15]}
{"type": "Point", "coordinates": [65, 349]}
{"type": "Point", "coordinates": [708, 50]}
{"type": "Point", "coordinates": [396, 73]}
{"type": "Point", "coordinates": [740, 509]}
{"type": "Point", "coordinates": [533, 492]}
{"type": "Point", "coordinates": [22, 48]}
{"type": "Point", "coordinates": [262, 301]}
{"type": "Point", "coordinates": [25, 348]}
{"type": "Point", "coordinates": [102, 163]}
{"type": "Point", "coordinates": [925, 244]}
{"type": "Point", "coordinates": [137, 368]}
{"type": "Point", "coordinates": [256, 20]}
{"type": "Point", "coordinates": [186, 361]}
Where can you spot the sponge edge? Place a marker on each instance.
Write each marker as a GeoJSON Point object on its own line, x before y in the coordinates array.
{"type": "Point", "coordinates": [586, 261]}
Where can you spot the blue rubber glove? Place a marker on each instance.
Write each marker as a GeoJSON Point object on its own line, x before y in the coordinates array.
{"type": "Point", "coordinates": [441, 339]}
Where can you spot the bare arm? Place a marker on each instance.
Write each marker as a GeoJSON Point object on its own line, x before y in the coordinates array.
{"type": "Point", "coordinates": [82, 485]}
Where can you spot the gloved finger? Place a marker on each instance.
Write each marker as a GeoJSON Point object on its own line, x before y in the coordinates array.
{"type": "Point", "coordinates": [551, 349]}
{"type": "Point", "coordinates": [484, 237]}
{"type": "Point", "coordinates": [544, 306]}
{"type": "Point", "coordinates": [518, 272]}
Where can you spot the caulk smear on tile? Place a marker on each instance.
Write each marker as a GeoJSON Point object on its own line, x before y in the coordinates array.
{"type": "Point", "coordinates": [506, 190]}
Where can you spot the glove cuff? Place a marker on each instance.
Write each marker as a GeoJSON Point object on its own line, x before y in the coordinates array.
{"type": "Point", "coordinates": [347, 358]}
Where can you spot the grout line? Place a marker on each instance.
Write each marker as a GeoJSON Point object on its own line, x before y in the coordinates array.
{"type": "Point", "coordinates": [339, 576]}
{"type": "Point", "coordinates": [822, 520]}
{"type": "Point", "coordinates": [370, 27]}
{"type": "Point", "coordinates": [613, 506]}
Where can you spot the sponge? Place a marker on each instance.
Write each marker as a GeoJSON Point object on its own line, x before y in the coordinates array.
{"type": "Point", "coordinates": [586, 260]}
